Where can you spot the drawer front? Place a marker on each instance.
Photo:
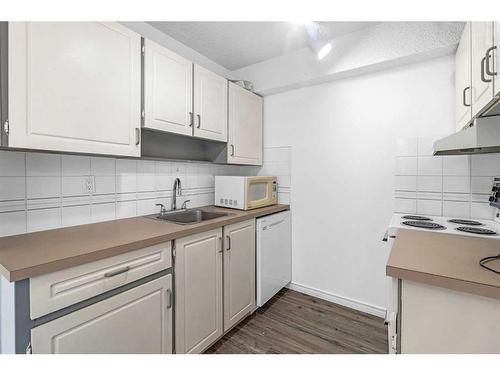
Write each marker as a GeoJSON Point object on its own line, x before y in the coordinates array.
{"type": "Point", "coordinates": [54, 291]}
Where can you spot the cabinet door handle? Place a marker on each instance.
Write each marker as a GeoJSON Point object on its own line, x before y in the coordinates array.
{"type": "Point", "coordinates": [199, 120]}
{"type": "Point", "coordinates": [232, 150]}
{"type": "Point", "coordinates": [228, 243]}
{"type": "Point", "coordinates": [117, 272]}
{"type": "Point", "coordinates": [191, 119]}
{"type": "Point", "coordinates": [220, 244]}
{"type": "Point", "coordinates": [168, 294]}
{"type": "Point", "coordinates": [483, 63]}
{"type": "Point", "coordinates": [137, 136]}
{"type": "Point", "coordinates": [463, 97]}
{"type": "Point", "coordinates": [488, 56]}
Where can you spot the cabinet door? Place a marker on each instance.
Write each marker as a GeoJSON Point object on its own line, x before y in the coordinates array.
{"type": "Point", "coordinates": [239, 272]}
{"type": "Point", "coordinates": [494, 56]}
{"type": "Point", "coordinates": [482, 83]}
{"type": "Point", "coordinates": [138, 321]}
{"type": "Point", "coordinates": [245, 127]}
{"type": "Point", "coordinates": [75, 86]}
{"type": "Point", "coordinates": [198, 291]}
{"type": "Point", "coordinates": [210, 105]}
{"type": "Point", "coordinates": [168, 90]}
{"type": "Point", "coordinates": [463, 79]}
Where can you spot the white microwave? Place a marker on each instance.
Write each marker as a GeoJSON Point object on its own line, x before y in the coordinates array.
{"type": "Point", "coordinates": [245, 192]}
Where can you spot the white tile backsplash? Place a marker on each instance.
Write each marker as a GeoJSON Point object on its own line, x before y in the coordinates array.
{"type": "Point", "coordinates": [404, 205]}
{"type": "Point", "coordinates": [406, 183]}
{"type": "Point", "coordinates": [456, 165]}
{"type": "Point", "coordinates": [75, 165]}
{"type": "Point", "coordinates": [12, 188]}
{"type": "Point", "coordinates": [44, 219]}
{"type": "Point", "coordinates": [430, 183]}
{"type": "Point", "coordinates": [485, 165]}
{"type": "Point", "coordinates": [430, 166]}
{"type": "Point", "coordinates": [406, 165]}
{"type": "Point", "coordinates": [43, 187]}
{"type": "Point", "coordinates": [12, 223]}
{"type": "Point", "coordinates": [429, 207]}
{"type": "Point", "coordinates": [41, 191]}
{"type": "Point", "coordinates": [12, 164]}
{"type": "Point", "coordinates": [442, 185]}
{"type": "Point", "coordinates": [456, 209]}
{"type": "Point", "coordinates": [456, 184]}
{"type": "Point", "coordinates": [38, 164]}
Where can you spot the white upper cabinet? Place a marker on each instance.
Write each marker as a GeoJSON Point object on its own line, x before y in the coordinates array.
{"type": "Point", "coordinates": [482, 82]}
{"type": "Point", "coordinates": [244, 127]}
{"type": "Point", "coordinates": [168, 90]}
{"type": "Point", "coordinates": [494, 54]}
{"type": "Point", "coordinates": [463, 79]}
{"type": "Point", "coordinates": [210, 105]}
{"type": "Point", "coordinates": [75, 87]}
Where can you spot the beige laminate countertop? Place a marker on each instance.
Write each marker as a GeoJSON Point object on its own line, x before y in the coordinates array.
{"type": "Point", "coordinates": [32, 254]}
{"type": "Point", "coordinates": [445, 260]}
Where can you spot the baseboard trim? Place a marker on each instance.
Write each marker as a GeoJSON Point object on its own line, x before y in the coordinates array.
{"type": "Point", "coordinates": [340, 300]}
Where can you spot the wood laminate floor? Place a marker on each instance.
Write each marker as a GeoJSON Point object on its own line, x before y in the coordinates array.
{"type": "Point", "coordinates": [292, 322]}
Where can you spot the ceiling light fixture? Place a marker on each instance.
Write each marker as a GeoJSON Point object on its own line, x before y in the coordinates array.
{"type": "Point", "coordinates": [315, 40]}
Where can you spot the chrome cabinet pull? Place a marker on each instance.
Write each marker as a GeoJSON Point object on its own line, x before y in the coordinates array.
{"type": "Point", "coordinates": [191, 119]}
{"type": "Point", "coordinates": [168, 294]}
{"type": "Point", "coordinates": [483, 63]}
{"type": "Point", "coordinates": [463, 96]}
{"type": "Point", "coordinates": [117, 272]}
{"type": "Point", "coordinates": [199, 121]}
{"type": "Point", "coordinates": [228, 243]}
{"type": "Point", "coordinates": [137, 136]}
{"type": "Point", "coordinates": [488, 56]}
{"type": "Point", "coordinates": [232, 150]}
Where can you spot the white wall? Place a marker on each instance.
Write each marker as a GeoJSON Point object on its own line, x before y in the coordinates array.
{"type": "Point", "coordinates": [342, 136]}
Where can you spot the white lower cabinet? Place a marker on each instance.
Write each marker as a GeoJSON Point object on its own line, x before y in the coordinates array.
{"type": "Point", "coordinates": [136, 321]}
{"type": "Point", "coordinates": [198, 291]}
{"type": "Point", "coordinates": [441, 321]}
{"type": "Point", "coordinates": [205, 305]}
{"type": "Point", "coordinates": [239, 272]}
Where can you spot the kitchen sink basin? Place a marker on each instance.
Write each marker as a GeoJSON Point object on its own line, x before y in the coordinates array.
{"type": "Point", "coordinates": [190, 216]}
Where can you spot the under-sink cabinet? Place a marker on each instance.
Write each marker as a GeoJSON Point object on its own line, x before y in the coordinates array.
{"type": "Point", "coordinates": [137, 321]}
{"type": "Point", "coordinates": [214, 284]}
{"type": "Point", "coordinates": [120, 304]}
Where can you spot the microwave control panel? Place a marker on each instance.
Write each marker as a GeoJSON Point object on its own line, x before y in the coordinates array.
{"type": "Point", "coordinates": [275, 189]}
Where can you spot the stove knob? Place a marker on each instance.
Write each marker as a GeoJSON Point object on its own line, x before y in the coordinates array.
{"type": "Point", "coordinates": [492, 199]}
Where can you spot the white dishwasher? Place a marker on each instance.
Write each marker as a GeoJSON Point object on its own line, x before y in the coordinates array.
{"type": "Point", "coordinates": [274, 255]}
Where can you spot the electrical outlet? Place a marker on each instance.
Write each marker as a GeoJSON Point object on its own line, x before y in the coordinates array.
{"type": "Point", "coordinates": [89, 185]}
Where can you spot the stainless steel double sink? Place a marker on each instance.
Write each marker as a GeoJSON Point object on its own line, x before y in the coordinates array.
{"type": "Point", "coordinates": [189, 216]}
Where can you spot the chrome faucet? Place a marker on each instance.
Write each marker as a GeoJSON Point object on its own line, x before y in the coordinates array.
{"type": "Point", "coordinates": [177, 190]}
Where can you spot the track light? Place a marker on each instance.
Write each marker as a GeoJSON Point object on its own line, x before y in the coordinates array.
{"type": "Point", "coordinates": [315, 40]}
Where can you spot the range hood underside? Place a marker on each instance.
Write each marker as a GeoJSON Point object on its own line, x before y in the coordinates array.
{"type": "Point", "coordinates": [482, 137]}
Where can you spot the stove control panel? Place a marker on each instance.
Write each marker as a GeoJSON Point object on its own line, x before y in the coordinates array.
{"type": "Point", "coordinates": [495, 193]}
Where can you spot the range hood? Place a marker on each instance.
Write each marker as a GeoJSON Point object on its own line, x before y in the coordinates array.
{"type": "Point", "coordinates": [481, 137]}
